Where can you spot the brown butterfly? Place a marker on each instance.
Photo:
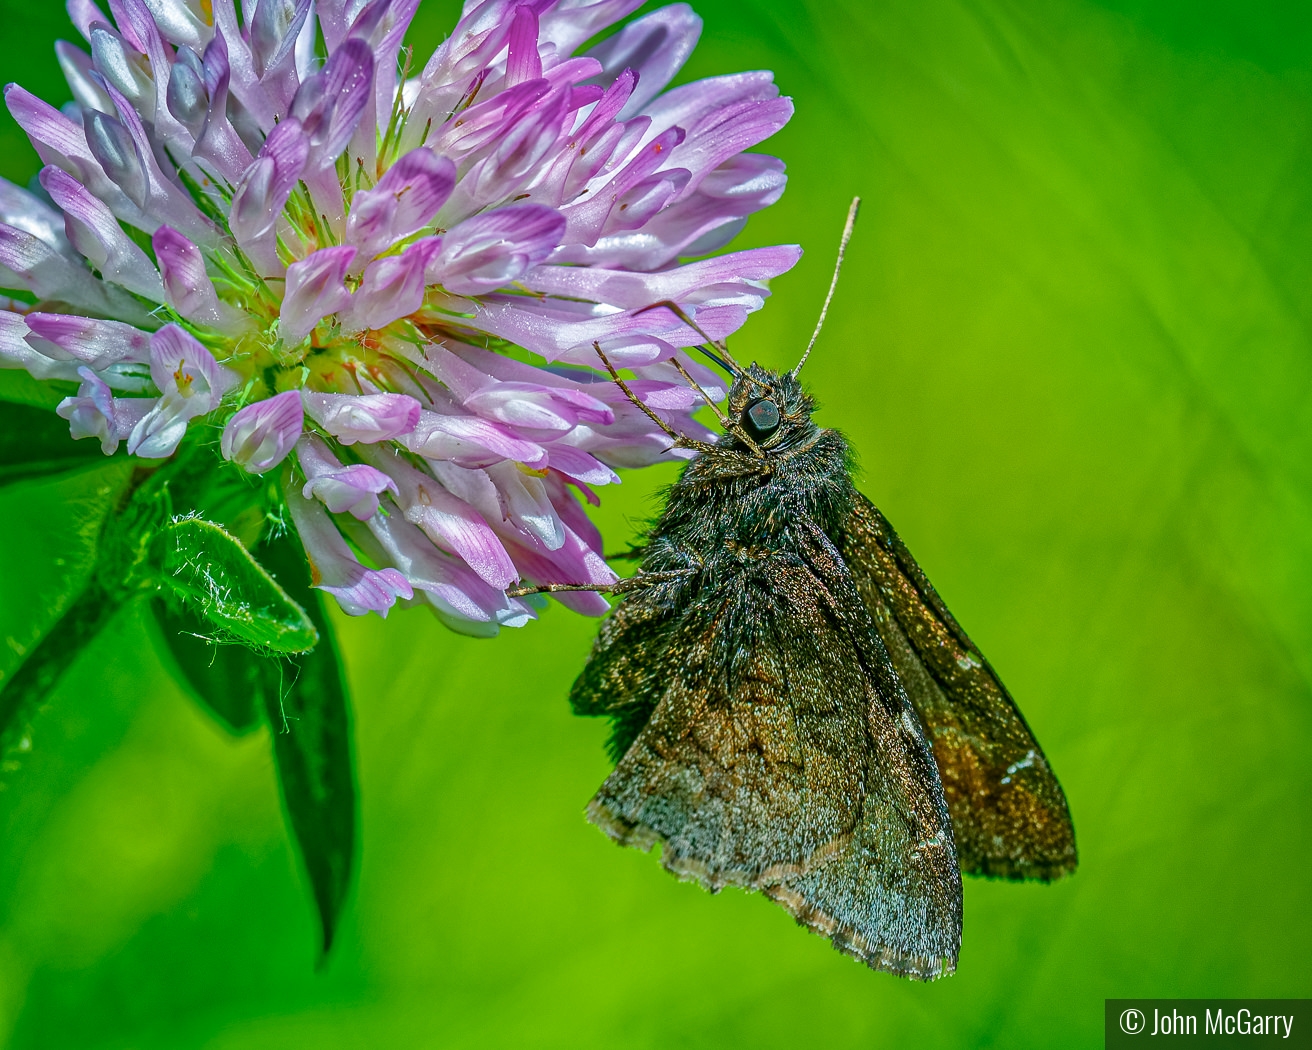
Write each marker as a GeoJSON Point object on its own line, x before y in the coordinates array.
{"type": "Point", "coordinates": [795, 709]}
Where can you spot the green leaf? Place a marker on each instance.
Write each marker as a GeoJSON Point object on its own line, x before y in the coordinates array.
{"type": "Point", "coordinates": [216, 577]}
{"type": "Point", "coordinates": [312, 745]}
{"type": "Point", "coordinates": [36, 676]}
{"type": "Point", "coordinates": [34, 441]}
{"type": "Point", "coordinates": [18, 387]}
{"type": "Point", "coordinates": [50, 606]}
{"type": "Point", "coordinates": [231, 681]}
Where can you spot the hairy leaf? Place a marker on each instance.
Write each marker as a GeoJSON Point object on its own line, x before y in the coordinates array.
{"type": "Point", "coordinates": [215, 576]}
{"type": "Point", "coordinates": [231, 681]}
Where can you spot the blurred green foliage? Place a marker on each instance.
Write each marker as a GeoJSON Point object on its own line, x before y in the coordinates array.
{"type": "Point", "coordinates": [1073, 346]}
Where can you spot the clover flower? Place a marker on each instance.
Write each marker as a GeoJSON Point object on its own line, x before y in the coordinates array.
{"type": "Point", "coordinates": [390, 286]}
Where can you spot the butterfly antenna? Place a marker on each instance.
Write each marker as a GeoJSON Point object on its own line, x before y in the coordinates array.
{"type": "Point", "coordinates": [726, 361]}
{"type": "Point", "coordinates": [833, 282]}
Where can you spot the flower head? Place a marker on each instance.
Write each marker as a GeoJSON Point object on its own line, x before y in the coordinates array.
{"type": "Point", "coordinates": [391, 285]}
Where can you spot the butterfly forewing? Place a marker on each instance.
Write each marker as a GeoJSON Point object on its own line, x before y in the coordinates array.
{"type": "Point", "coordinates": [780, 753]}
{"type": "Point", "coordinates": [1009, 814]}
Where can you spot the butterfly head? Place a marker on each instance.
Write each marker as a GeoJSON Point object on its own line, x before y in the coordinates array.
{"type": "Point", "coordinates": [771, 408]}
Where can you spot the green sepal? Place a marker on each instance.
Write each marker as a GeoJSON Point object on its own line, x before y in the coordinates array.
{"type": "Point", "coordinates": [214, 576]}
{"type": "Point", "coordinates": [230, 681]}
{"type": "Point", "coordinates": [311, 725]}
{"type": "Point", "coordinates": [34, 441]}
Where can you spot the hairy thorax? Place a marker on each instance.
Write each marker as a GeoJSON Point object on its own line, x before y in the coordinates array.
{"type": "Point", "coordinates": [732, 501]}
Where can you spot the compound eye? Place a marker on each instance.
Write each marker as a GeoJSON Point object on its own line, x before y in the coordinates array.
{"type": "Point", "coordinates": [762, 417]}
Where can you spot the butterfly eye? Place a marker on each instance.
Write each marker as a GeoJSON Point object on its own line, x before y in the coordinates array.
{"type": "Point", "coordinates": [762, 417]}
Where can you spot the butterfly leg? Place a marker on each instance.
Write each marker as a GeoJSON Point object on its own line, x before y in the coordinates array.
{"type": "Point", "coordinates": [679, 440]}
{"type": "Point", "coordinates": [632, 583]}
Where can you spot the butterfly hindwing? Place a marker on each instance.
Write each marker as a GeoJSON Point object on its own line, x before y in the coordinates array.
{"type": "Point", "coordinates": [1009, 814]}
{"type": "Point", "coordinates": [625, 674]}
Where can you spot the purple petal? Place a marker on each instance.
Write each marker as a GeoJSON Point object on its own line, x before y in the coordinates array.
{"type": "Point", "coordinates": [91, 412]}
{"type": "Point", "coordinates": [588, 217]}
{"type": "Point", "coordinates": [476, 40]}
{"type": "Point", "coordinates": [97, 235]}
{"type": "Point", "coordinates": [574, 562]}
{"type": "Point", "coordinates": [315, 288]}
{"type": "Point", "coordinates": [515, 156]}
{"type": "Point", "coordinates": [113, 147]}
{"type": "Point", "coordinates": [187, 97]}
{"type": "Point", "coordinates": [717, 282]}
{"type": "Point", "coordinates": [82, 77]}
{"type": "Point", "coordinates": [260, 198]}
{"type": "Point", "coordinates": [580, 466]}
{"type": "Point", "coordinates": [330, 104]}
{"type": "Point", "coordinates": [186, 284]}
{"type": "Point", "coordinates": [27, 212]}
{"type": "Point", "coordinates": [523, 60]}
{"type": "Point", "coordinates": [539, 410]}
{"type": "Point", "coordinates": [567, 25]}
{"type": "Point", "coordinates": [166, 201]}
{"type": "Point", "coordinates": [350, 489]}
{"type": "Point", "coordinates": [655, 46]}
{"type": "Point", "coordinates": [281, 36]}
{"type": "Point", "coordinates": [157, 65]}
{"type": "Point", "coordinates": [447, 520]}
{"type": "Point", "coordinates": [699, 223]}
{"type": "Point", "coordinates": [391, 288]}
{"type": "Point", "coordinates": [180, 364]}
{"type": "Point", "coordinates": [94, 412]}
{"type": "Point", "coordinates": [273, 31]}
{"type": "Point", "coordinates": [559, 330]}
{"type": "Point", "coordinates": [244, 81]}
{"type": "Point", "coordinates": [179, 22]}
{"type": "Point", "coordinates": [83, 13]}
{"type": "Point", "coordinates": [260, 435]}
{"type": "Point", "coordinates": [218, 140]}
{"type": "Point", "coordinates": [60, 142]}
{"type": "Point", "coordinates": [32, 264]}
{"type": "Point", "coordinates": [463, 600]}
{"type": "Point", "coordinates": [382, 24]}
{"type": "Point", "coordinates": [689, 103]}
{"type": "Point", "coordinates": [484, 123]}
{"type": "Point", "coordinates": [17, 352]}
{"type": "Point", "coordinates": [491, 250]}
{"type": "Point", "coordinates": [366, 418]}
{"type": "Point", "coordinates": [190, 382]}
{"type": "Point", "coordinates": [728, 131]}
{"type": "Point", "coordinates": [123, 70]}
{"type": "Point", "coordinates": [335, 569]}
{"type": "Point", "coordinates": [403, 202]}
{"type": "Point", "coordinates": [526, 504]}
{"type": "Point", "coordinates": [469, 441]}
{"type": "Point", "coordinates": [90, 341]}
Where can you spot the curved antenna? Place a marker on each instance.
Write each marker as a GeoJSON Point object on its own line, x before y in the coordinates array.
{"type": "Point", "coordinates": [833, 283]}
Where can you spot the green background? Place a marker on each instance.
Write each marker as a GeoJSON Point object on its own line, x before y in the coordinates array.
{"type": "Point", "coordinates": [1073, 346]}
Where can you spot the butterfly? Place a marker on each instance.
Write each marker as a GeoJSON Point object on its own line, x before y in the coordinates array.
{"type": "Point", "coordinates": [796, 712]}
